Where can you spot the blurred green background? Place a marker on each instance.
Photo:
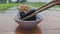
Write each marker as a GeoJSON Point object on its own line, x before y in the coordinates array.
{"type": "Point", "coordinates": [5, 4]}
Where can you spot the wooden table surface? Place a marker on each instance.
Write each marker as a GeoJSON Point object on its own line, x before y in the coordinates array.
{"type": "Point", "coordinates": [49, 25]}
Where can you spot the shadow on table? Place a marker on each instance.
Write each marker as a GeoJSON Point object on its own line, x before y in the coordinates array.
{"type": "Point", "coordinates": [34, 30]}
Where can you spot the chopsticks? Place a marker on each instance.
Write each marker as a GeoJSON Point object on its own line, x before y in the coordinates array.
{"type": "Point", "coordinates": [49, 5]}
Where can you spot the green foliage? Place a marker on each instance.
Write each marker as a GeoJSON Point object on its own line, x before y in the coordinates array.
{"type": "Point", "coordinates": [37, 4]}
{"type": "Point", "coordinates": [23, 1]}
{"type": "Point", "coordinates": [3, 1]}
{"type": "Point", "coordinates": [6, 6]}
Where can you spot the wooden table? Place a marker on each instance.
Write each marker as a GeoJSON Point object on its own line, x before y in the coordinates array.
{"type": "Point", "coordinates": [49, 25]}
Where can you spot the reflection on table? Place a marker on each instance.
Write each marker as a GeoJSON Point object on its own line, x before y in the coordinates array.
{"type": "Point", "coordinates": [34, 30]}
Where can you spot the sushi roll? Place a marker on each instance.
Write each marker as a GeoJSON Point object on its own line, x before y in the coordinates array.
{"type": "Point", "coordinates": [25, 10]}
